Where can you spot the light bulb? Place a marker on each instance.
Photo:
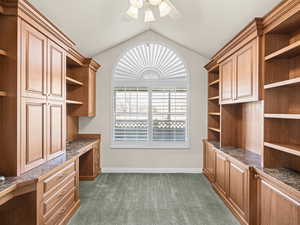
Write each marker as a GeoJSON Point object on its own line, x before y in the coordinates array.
{"type": "Point", "coordinates": [137, 3]}
{"type": "Point", "coordinates": [133, 12]}
{"type": "Point", "coordinates": [149, 16]}
{"type": "Point", "coordinates": [164, 9]}
{"type": "Point", "coordinates": [155, 2]}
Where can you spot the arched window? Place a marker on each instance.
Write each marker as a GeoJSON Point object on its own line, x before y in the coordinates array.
{"type": "Point", "coordinates": [150, 96]}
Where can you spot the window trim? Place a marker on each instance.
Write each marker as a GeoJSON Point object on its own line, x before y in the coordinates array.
{"type": "Point", "coordinates": [157, 85]}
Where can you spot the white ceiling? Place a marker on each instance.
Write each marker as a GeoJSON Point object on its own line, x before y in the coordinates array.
{"type": "Point", "coordinates": [205, 25]}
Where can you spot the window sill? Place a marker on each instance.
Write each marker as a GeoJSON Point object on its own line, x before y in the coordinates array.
{"type": "Point", "coordinates": [154, 147]}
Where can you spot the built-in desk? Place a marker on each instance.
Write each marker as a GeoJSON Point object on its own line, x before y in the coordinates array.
{"type": "Point", "coordinates": [21, 198]}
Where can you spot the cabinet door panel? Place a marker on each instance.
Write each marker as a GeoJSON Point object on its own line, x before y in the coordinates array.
{"type": "Point", "coordinates": [277, 208]}
{"type": "Point", "coordinates": [221, 174]}
{"type": "Point", "coordinates": [227, 76]}
{"type": "Point", "coordinates": [34, 69]}
{"type": "Point", "coordinates": [211, 162]}
{"type": "Point", "coordinates": [56, 131]}
{"type": "Point", "coordinates": [246, 73]}
{"type": "Point", "coordinates": [33, 135]}
{"type": "Point", "coordinates": [56, 72]}
{"type": "Point", "coordinates": [238, 188]}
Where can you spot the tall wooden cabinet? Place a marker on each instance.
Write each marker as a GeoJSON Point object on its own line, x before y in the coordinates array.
{"type": "Point", "coordinates": [34, 119]}
{"type": "Point", "coordinates": [43, 73]}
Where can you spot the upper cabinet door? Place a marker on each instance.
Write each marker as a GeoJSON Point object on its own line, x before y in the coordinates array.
{"type": "Point", "coordinates": [56, 128]}
{"type": "Point", "coordinates": [34, 62]}
{"type": "Point", "coordinates": [56, 72]}
{"type": "Point", "coordinates": [247, 73]}
{"type": "Point", "coordinates": [227, 78]}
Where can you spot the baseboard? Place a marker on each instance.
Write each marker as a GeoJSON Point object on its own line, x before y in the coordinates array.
{"type": "Point", "coordinates": [152, 170]}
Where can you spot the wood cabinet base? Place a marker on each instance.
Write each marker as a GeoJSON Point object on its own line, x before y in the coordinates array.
{"type": "Point", "coordinates": [230, 206]}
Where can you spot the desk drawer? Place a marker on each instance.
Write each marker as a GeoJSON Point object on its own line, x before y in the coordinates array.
{"type": "Point", "coordinates": [58, 177]}
{"type": "Point", "coordinates": [59, 195]}
{"type": "Point", "coordinates": [59, 212]}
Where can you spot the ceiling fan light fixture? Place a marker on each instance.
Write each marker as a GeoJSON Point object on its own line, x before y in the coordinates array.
{"type": "Point", "coordinates": [137, 3]}
{"type": "Point", "coordinates": [164, 9]}
{"type": "Point", "coordinates": [133, 12]}
{"type": "Point", "coordinates": [155, 2]}
{"type": "Point", "coordinates": [149, 16]}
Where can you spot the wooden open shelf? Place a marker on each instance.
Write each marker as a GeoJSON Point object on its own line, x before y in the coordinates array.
{"type": "Point", "coordinates": [288, 148]}
{"type": "Point", "coordinates": [3, 94]}
{"type": "Point", "coordinates": [213, 98]}
{"type": "Point", "coordinates": [288, 51]}
{"type": "Point", "coordinates": [283, 116]}
{"type": "Point", "coordinates": [214, 83]}
{"type": "Point", "coordinates": [214, 113]}
{"type": "Point", "coordinates": [291, 82]}
{"type": "Point", "coordinates": [74, 102]}
{"type": "Point", "coordinates": [73, 82]}
{"type": "Point", "coordinates": [214, 129]}
{"type": "Point", "coordinates": [2, 52]}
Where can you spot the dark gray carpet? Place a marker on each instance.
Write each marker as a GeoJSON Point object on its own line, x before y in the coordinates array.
{"type": "Point", "coordinates": [150, 199]}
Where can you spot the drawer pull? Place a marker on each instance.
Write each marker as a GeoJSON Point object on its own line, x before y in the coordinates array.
{"type": "Point", "coordinates": [62, 211]}
{"type": "Point", "coordinates": [61, 176]}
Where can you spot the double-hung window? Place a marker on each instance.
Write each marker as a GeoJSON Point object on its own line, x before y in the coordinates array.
{"type": "Point", "coordinates": [150, 104]}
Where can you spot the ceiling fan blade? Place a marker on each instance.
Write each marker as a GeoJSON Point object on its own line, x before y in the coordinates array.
{"type": "Point", "coordinates": [174, 14]}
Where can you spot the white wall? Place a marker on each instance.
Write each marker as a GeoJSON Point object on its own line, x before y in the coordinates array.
{"type": "Point", "coordinates": [150, 158]}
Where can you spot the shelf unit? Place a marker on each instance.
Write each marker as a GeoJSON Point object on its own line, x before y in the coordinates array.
{"type": "Point", "coordinates": [73, 82]}
{"type": "Point", "coordinates": [72, 102]}
{"type": "Point", "coordinates": [282, 95]}
{"type": "Point", "coordinates": [3, 94]}
{"type": "Point", "coordinates": [214, 108]}
{"type": "Point", "coordinates": [3, 52]}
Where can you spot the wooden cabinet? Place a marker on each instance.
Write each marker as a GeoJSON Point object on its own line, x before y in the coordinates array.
{"type": "Point", "coordinates": [277, 207]}
{"type": "Point", "coordinates": [238, 188]}
{"type": "Point", "coordinates": [240, 75]}
{"type": "Point", "coordinates": [33, 133]}
{"type": "Point", "coordinates": [56, 128]}
{"type": "Point", "coordinates": [56, 72]}
{"type": "Point", "coordinates": [209, 161]}
{"type": "Point", "coordinates": [227, 79]}
{"type": "Point", "coordinates": [33, 62]}
{"type": "Point", "coordinates": [221, 173]}
{"type": "Point", "coordinates": [231, 181]}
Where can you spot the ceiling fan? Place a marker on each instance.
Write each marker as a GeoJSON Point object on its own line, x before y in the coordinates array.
{"type": "Point", "coordinates": [151, 10]}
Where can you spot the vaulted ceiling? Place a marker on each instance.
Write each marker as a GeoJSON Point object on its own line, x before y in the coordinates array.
{"type": "Point", "coordinates": [205, 25]}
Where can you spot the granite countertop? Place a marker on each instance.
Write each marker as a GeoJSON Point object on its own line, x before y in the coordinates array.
{"type": "Point", "coordinates": [244, 156]}
{"type": "Point", "coordinates": [286, 176]}
{"type": "Point", "coordinates": [74, 149]}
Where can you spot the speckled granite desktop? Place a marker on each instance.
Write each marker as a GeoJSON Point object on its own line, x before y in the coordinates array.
{"type": "Point", "coordinates": [244, 156]}
{"type": "Point", "coordinates": [74, 149]}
